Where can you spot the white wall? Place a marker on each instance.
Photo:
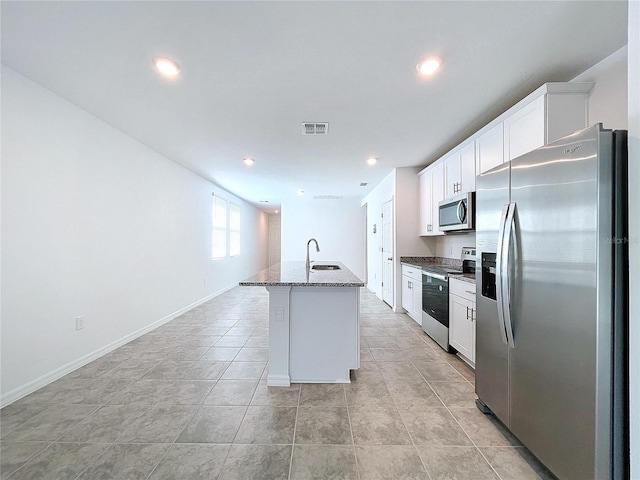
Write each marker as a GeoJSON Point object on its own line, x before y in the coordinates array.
{"type": "Point", "coordinates": [450, 246]}
{"type": "Point", "coordinates": [634, 231]}
{"type": "Point", "coordinates": [608, 99]}
{"type": "Point", "coordinates": [408, 242]}
{"type": "Point", "coordinates": [96, 224]}
{"type": "Point", "coordinates": [401, 185]}
{"type": "Point", "coordinates": [381, 193]}
{"type": "Point", "coordinates": [337, 225]}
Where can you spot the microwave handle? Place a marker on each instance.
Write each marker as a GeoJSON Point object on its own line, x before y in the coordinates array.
{"type": "Point", "coordinates": [460, 211]}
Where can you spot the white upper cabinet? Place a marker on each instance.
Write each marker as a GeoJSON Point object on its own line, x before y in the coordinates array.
{"type": "Point", "coordinates": [551, 112]}
{"type": "Point", "coordinates": [524, 130]}
{"type": "Point", "coordinates": [490, 149]}
{"type": "Point", "coordinates": [437, 187]}
{"type": "Point", "coordinates": [460, 171]}
{"type": "Point", "coordinates": [451, 174]}
{"type": "Point", "coordinates": [431, 193]}
{"type": "Point", "coordinates": [468, 168]}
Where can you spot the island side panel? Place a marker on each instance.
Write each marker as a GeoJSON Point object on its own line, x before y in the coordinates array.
{"type": "Point", "coordinates": [279, 324]}
{"type": "Point", "coordinates": [325, 343]}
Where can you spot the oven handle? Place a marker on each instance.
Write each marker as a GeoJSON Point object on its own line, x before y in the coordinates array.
{"type": "Point", "coordinates": [435, 275]}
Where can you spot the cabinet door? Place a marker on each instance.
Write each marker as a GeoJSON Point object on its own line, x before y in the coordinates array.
{"type": "Point", "coordinates": [437, 192]}
{"type": "Point", "coordinates": [462, 326]}
{"type": "Point", "coordinates": [407, 294]}
{"type": "Point", "coordinates": [524, 130]}
{"type": "Point", "coordinates": [468, 168]}
{"type": "Point", "coordinates": [425, 203]}
{"type": "Point", "coordinates": [490, 149]}
{"type": "Point", "coordinates": [452, 175]}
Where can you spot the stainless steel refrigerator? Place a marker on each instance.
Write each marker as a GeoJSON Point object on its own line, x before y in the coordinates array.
{"type": "Point", "coordinates": [551, 270]}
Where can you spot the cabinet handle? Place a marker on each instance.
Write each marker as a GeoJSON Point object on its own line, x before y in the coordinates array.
{"type": "Point", "coordinates": [409, 285]}
{"type": "Point", "coordinates": [470, 292]}
{"type": "Point", "coordinates": [467, 313]}
{"type": "Point", "coordinates": [472, 314]}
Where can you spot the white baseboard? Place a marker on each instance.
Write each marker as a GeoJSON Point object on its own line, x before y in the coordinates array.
{"type": "Point", "coordinates": [278, 381]}
{"type": "Point", "coordinates": [32, 386]}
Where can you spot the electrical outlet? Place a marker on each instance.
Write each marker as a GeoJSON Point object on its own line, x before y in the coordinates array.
{"type": "Point", "coordinates": [279, 314]}
{"type": "Point", "coordinates": [79, 323]}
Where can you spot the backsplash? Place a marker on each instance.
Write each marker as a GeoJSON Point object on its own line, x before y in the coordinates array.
{"type": "Point", "coordinates": [450, 246]}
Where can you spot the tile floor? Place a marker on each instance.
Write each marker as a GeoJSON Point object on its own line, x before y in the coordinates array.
{"type": "Point", "coordinates": [189, 401]}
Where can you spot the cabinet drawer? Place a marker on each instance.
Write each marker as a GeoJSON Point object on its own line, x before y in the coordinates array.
{"type": "Point", "coordinates": [415, 273]}
{"type": "Point", "coordinates": [462, 289]}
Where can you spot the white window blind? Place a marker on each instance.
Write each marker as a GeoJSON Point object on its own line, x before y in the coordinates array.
{"type": "Point", "coordinates": [234, 229]}
{"type": "Point", "coordinates": [219, 228]}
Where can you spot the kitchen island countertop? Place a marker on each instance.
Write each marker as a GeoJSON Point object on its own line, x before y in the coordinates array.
{"type": "Point", "coordinates": [295, 274]}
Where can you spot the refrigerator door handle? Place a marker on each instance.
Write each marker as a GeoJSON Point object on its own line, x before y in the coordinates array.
{"type": "Point", "coordinates": [504, 279]}
{"type": "Point", "coordinates": [499, 274]}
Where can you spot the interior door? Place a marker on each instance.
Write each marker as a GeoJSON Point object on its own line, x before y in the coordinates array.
{"type": "Point", "coordinates": [387, 252]}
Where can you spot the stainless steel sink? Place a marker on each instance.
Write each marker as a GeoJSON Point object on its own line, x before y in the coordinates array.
{"type": "Point", "coordinates": [325, 267]}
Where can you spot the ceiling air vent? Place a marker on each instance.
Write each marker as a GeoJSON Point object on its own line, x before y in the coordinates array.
{"type": "Point", "coordinates": [315, 128]}
{"type": "Point", "coordinates": [327, 197]}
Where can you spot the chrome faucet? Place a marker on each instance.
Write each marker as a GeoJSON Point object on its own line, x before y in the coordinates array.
{"type": "Point", "coordinates": [308, 264]}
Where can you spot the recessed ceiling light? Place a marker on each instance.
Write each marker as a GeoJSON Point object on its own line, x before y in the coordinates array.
{"type": "Point", "coordinates": [372, 161]}
{"type": "Point", "coordinates": [429, 65]}
{"type": "Point", "coordinates": [276, 211]}
{"type": "Point", "coordinates": [166, 66]}
{"type": "Point", "coordinates": [300, 192]}
{"type": "Point", "coordinates": [248, 161]}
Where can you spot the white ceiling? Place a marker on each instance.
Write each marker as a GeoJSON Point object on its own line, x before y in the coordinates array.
{"type": "Point", "coordinates": [252, 72]}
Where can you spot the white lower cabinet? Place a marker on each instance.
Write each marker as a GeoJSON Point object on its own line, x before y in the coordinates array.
{"type": "Point", "coordinates": [412, 292]}
{"type": "Point", "coordinates": [462, 318]}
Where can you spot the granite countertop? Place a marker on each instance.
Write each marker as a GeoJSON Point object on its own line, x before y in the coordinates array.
{"type": "Point", "coordinates": [295, 274]}
{"type": "Point", "coordinates": [465, 277]}
{"type": "Point", "coordinates": [441, 262]}
{"type": "Point", "coordinates": [429, 261]}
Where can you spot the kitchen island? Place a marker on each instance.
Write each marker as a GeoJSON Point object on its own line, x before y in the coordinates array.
{"type": "Point", "coordinates": [314, 332]}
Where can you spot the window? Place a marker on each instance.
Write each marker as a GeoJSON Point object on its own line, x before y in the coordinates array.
{"type": "Point", "coordinates": [234, 229]}
{"type": "Point", "coordinates": [219, 228]}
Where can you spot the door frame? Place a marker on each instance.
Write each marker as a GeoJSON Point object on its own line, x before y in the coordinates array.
{"type": "Point", "coordinates": [387, 252]}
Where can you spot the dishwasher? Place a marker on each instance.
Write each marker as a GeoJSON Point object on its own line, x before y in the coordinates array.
{"type": "Point", "coordinates": [435, 307]}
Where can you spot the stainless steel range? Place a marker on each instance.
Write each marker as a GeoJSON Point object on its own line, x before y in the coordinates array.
{"type": "Point", "coordinates": [435, 295]}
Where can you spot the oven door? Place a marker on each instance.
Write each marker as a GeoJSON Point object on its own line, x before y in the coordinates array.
{"type": "Point", "coordinates": [435, 297]}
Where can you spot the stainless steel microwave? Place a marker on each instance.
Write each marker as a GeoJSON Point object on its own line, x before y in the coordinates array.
{"type": "Point", "coordinates": [457, 213]}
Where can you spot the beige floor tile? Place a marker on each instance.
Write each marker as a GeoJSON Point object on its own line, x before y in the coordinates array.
{"type": "Point", "coordinates": [390, 462]}
{"type": "Point", "coordinates": [459, 463]}
{"type": "Point", "coordinates": [323, 462]}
